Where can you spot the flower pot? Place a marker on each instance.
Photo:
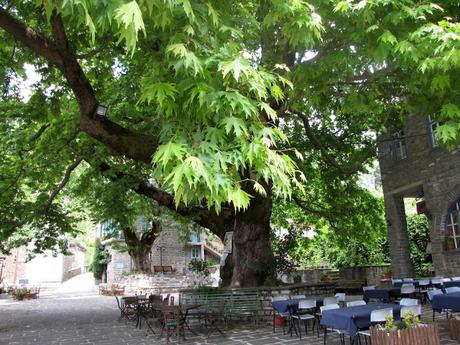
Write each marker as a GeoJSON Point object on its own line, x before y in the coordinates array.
{"type": "Point", "coordinates": [424, 334]}
{"type": "Point", "coordinates": [279, 321]}
{"type": "Point", "coordinates": [450, 246]}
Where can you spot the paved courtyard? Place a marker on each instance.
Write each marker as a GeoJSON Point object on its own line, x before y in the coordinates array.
{"type": "Point", "coordinates": [87, 318]}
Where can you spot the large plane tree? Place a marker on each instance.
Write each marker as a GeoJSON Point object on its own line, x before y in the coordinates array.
{"type": "Point", "coordinates": [211, 104]}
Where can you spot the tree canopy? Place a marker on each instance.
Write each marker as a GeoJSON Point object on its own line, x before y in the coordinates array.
{"type": "Point", "coordinates": [215, 108]}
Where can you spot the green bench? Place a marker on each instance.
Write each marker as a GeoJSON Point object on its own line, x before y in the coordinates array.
{"type": "Point", "coordinates": [229, 304]}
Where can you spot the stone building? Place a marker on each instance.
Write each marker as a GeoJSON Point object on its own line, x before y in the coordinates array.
{"type": "Point", "coordinates": [413, 165]}
{"type": "Point", "coordinates": [169, 249]}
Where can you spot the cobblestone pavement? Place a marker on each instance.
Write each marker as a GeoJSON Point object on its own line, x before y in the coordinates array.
{"type": "Point", "coordinates": [86, 319]}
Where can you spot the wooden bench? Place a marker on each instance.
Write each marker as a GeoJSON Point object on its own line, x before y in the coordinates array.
{"type": "Point", "coordinates": [163, 269]}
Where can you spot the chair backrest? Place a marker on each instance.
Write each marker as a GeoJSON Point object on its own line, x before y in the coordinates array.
{"type": "Point", "coordinates": [330, 300]}
{"type": "Point", "coordinates": [171, 313]}
{"type": "Point", "coordinates": [434, 292]}
{"type": "Point", "coordinates": [329, 307]}
{"type": "Point", "coordinates": [166, 300]}
{"type": "Point", "coordinates": [307, 304]}
{"type": "Point", "coordinates": [452, 289]}
{"type": "Point", "coordinates": [424, 282]}
{"type": "Point", "coordinates": [393, 281]}
{"type": "Point", "coordinates": [171, 300]}
{"type": "Point", "coordinates": [355, 303]}
{"type": "Point", "coordinates": [416, 309]}
{"type": "Point", "coordinates": [369, 287]}
{"type": "Point", "coordinates": [156, 299]}
{"type": "Point", "coordinates": [446, 280]}
{"type": "Point", "coordinates": [280, 298]}
{"type": "Point", "coordinates": [455, 279]}
{"type": "Point", "coordinates": [407, 288]}
{"type": "Point", "coordinates": [408, 301]}
{"type": "Point", "coordinates": [379, 315]}
{"type": "Point", "coordinates": [341, 296]}
{"type": "Point", "coordinates": [408, 280]}
{"type": "Point", "coordinates": [297, 296]}
{"type": "Point", "coordinates": [436, 281]}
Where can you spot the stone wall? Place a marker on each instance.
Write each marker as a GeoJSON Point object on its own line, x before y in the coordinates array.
{"type": "Point", "coordinates": [429, 172]}
{"type": "Point", "coordinates": [307, 276]}
{"type": "Point", "coordinates": [169, 250]}
{"type": "Point", "coordinates": [15, 266]}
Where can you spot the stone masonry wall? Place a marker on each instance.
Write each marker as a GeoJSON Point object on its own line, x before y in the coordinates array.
{"type": "Point", "coordinates": [169, 250]}
{"type": "Point", "coordinates": [429, 172]}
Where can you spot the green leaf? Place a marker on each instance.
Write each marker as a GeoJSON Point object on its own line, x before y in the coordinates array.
{"type": "Point", "coordinates": [440, 83]}
{"type": "Point", "coordinates": [129, 18]}
{"type": "Point", "coordinates": [235, 67]}
{"type": "Point", "coordinates": [236, 124]}
{"type": "Point", "coordinates": [169, 152]}
{"type": "Point", "coordinates": [239, 198]}
{"type": "Point", "coordinates": [159, 92]}
{"type": "Point", "coordinates": [388, 37]}
{"type": "Point", "coordinates": [450, 111]}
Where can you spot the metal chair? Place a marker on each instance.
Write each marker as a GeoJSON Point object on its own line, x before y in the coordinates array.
{"type": "Point", "coordinates": [408, 290]}
{"type": "Point", "coordinates": [297, 296]}
{"type": "Point", "coordinates": [330, 300]}
{"type": "Point", "coordinates": [338, 331]}
{"type": "Point", "coordinates": [356, 303]}
{"type": "Point", "coordinates": [455, 279]}
{"type": "Point", "coordinates": [369, 287]}
{"type": "Point", "coordinates": [127, 307]}
{"type": "Point", "coordinates": [394, 282]}
{"type": "Point", "coordinates": [341, 298]}
{"type": "Point", "coordinates": [423, 285]}
{"type": "Point", "coordinates": [303, 314]}
{"type": "Point", "coordinates": [377, 317]}
{"type": "Point", "coordinates": [408, 301]}
{"type": "Point", "coordinates": [416, 309]}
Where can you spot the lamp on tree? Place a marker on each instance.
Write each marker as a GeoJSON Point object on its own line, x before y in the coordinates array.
{"type": "Point", "coordinates": [101, 110]}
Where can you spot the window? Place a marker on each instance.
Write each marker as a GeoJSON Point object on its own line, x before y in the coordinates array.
{"type": "Point", "coordinates": [398, 146]}
{"type": "Point", "coordinates": [452, 232]}
{"type": "Point", "coordinates": [194, 238]}
{"type": "Point", "coordinates": [196, 253]}
{"type": "Point", "coordinates": [432, 124]}
{"type": "Point", "coordinates": [144, 224]}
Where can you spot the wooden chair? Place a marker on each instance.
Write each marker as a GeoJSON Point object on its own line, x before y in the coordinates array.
{"type": "Point", "coordinates": [173, 322]}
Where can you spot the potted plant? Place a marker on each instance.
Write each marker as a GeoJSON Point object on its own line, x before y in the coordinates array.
{"type": "Point", "coordinates": [387, 272]}
{"type": "Point", "coordinates": [21, 293]}
{"type": "Point", "coordinates": [449, 242]}
{"type": "Point", "coordinates": [408, 331]}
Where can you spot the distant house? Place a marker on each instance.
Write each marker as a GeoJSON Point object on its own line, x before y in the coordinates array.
{"type": "Point", "coordinates": [413, 165]}
{"type": "Point", "coordinates": [169, 249]}
{"type": "Point", "coordinates": [44, 269]}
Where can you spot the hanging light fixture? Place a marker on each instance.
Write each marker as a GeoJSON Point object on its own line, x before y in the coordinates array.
{"type": "Point", "coordinates": [101, 110]}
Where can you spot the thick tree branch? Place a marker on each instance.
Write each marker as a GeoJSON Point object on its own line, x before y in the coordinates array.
{"type": "Point", "coordinates": [61, 185]}
{"type": "Point", "coordinates": [325, 154]}
{"type": "Point", "coordinates": [30, 38]}
{"type": "Point", "coordinates": [206, 218]}
{"type": "Point", "coordinates": [92, 53]}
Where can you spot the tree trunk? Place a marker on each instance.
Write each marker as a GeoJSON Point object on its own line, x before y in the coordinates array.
{"type": "Point", "coordinates": [251, 262]}
{"type": "Point", "coordinates": [141, 259]}
{"type": "Point", "coordinates": [139, 248]}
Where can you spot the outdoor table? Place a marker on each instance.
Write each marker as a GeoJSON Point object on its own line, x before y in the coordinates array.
{"type": "Point", "coordinates": [382, 294]}
{"type": "Point", "coordinates": [282, 306]}
{"type": "Point", "coordinates": [449, 301]}
{"type": "Point", "coordinates": [352, 319]}
{"type": "Point", "coordinates": [399, 284]}
{"type": "Point", "coordinates": [451, 283]}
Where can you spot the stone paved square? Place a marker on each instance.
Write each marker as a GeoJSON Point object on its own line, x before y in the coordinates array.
{"type": "Point", "coordinates": [90, 319]}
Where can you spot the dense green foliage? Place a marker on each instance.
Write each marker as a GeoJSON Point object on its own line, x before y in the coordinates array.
{"type": "Point", "coordinates": [419, 237]}
{"type": "Point", "coordinates": [219, 104]}
{"type": "Point", "coordinates": [99, 261]}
